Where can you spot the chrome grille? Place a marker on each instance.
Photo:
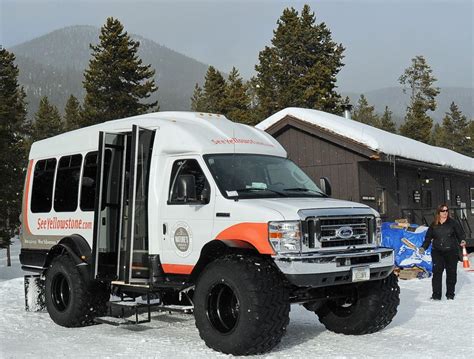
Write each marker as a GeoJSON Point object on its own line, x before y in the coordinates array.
{"type": "Point", "coordinates": [333, 232]}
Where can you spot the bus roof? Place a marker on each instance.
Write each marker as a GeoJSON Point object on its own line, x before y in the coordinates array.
{"type": "Point", "coordinates": [177, 133]}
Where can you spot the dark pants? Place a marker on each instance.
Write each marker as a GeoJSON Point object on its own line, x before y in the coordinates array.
{"type": "Point", "coordinates": [442, 261]}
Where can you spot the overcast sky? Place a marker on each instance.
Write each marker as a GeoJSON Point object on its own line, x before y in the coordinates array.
{"type": "Point", "coordinates": [380, 37]}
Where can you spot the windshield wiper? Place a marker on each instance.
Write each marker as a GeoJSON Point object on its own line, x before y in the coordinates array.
{"type": "Point", "coordinates": [302, 189]}
{"type": "Point", "coordinates": [251, 189]}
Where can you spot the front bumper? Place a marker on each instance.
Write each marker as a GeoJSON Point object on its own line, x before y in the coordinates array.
{"type": "Point", "coordinates": [334, 268]}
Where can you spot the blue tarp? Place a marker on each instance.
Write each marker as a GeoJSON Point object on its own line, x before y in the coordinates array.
{"type": "Point", "coordinates": [405, 243]}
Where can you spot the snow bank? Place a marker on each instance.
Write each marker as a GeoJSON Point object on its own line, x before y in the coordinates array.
{"type": "Point", "coordinates": [421, 329]}
{"type": "Point", "coordinates": [374, 138]}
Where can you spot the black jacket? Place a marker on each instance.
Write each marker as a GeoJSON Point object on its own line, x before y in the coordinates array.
{"type": "Point", "coordinates": [444, 237]}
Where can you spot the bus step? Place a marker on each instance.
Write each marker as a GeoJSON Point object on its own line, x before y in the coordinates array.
{"type": "Point", "coordinates": [187, 309]}
{"type": "Point", "coordinates": [112, 321]}
{"type": "Point", "coordinates": [132, 312]}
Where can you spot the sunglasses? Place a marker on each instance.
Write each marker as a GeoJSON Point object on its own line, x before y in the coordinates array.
{"type": "Point", "coordinates": [444, 210]}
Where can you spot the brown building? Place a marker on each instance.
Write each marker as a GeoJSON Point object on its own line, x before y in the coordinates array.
{"type": "Point", "coordinates": [398, 176]}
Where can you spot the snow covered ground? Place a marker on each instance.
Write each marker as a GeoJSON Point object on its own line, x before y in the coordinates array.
{"type": "Point", "coordinates": [421, 329]}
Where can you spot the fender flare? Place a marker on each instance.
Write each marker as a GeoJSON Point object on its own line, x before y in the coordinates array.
{"type": "Point", "coordinates": [76, 247]}
{"type": "Point", "coordinates": [218, 248]}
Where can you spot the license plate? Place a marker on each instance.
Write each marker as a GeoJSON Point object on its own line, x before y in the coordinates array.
{"type": "Point", "coordinates": [360, 274]}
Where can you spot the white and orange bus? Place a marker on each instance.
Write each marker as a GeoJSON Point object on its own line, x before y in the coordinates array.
{"type": "Point", "coordinates": [175, 202]}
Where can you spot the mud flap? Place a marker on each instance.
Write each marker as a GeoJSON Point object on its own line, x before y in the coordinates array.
{"type": "Point", "coordinates": [34, 294]}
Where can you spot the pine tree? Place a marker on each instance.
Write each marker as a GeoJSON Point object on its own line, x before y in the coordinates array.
{"type": "Point", "coordinates": [236, 101]}
{"type": "Point", "coordinates": [300, 67]}
{"type": "Point", "coordinates": [13, 148]}
{"type": "Point", "coordinates": [365, 113]}
{"type": "Point", "coordinates": [437, 136]}
{"type": "Point", "coordinates": [47, 121]}
{"type": "Point", "coordinates": [455, 128]}
{"type": "Point", "coordinates": [419, 80]}
{"type": "Point", "coordinates": [197, 101]}
{"type": "Point", "coordinates": [116, 81]}
{"type": "Point", "coordinates": [386, 123]}
{"type": "Point", "coordinates": [346, 103]}
{"type": "Point", "coordinates": [214, 91]}
{"type": "Point", "coordinates": [470, 139]}
{"type": "Point", "coordinates": [72, 114]}
{"type": "Point", "coordinates": [417, 123]}
{"type": "Point", "coordinates": [211, 97]}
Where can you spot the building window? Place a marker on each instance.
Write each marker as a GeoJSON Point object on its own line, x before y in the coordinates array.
{"type": "Point", "coordinates": [42, 192]}
{"type": "Point", "coordinates": [380, 200]}
{"type": "Point", "coordinates": [67, 183]}
{"type": "Point", "coordinates": [426, 199]}
{"type": "Point", "coordinates": [472, 200]}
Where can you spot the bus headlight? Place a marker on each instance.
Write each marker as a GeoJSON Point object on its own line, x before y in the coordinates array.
{"type": "Point", "coordinates": [285, 237]}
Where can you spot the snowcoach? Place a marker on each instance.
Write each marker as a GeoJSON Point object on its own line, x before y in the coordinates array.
{"type": "Point", "coordinates": [192, 210]}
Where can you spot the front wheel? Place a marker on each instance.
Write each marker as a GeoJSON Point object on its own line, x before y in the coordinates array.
{"type": "Point", "coordinates": [241, 305]}
{"type": "Point", "coordinates": [367, 308]}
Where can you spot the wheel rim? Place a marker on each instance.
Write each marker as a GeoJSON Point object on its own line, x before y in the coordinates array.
{"type": "Point", "coordinates": [60, 292]}
{"type": "Point", "coordinates": [223, 308]}
{"type": "Point", "coordinates": [344, 306]}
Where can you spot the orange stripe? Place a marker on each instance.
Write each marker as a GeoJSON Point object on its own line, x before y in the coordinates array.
{"type": "Point", "coordinates": [26, 198]}
{"type": "Point", "coordinates": [177, 268]}
{"type": "Point", "coordinates": [255, 234]}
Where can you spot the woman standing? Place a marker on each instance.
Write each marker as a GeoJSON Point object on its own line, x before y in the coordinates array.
{"type": "Point", "coordinates": [445, 235]}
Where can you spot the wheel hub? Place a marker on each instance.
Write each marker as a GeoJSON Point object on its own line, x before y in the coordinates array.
{"type": "Point", "coordinates": [60, 292]}
{"type": "Point", "coordinates": [223, 308]}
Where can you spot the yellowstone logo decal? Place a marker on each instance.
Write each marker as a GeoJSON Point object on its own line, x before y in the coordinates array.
{"type": "Point", "coordinates": [182, 237]}
{"type": "Point", "coordinates": [62, 223]}
{"type": "Point", "coordinates": [239, 141]}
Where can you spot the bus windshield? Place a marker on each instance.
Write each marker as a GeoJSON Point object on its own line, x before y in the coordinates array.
{"type": "Point", "coordinates": [257, 176]}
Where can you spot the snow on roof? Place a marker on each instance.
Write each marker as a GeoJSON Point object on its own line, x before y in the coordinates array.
{"type": "Point", "coordinates": [374, 138]}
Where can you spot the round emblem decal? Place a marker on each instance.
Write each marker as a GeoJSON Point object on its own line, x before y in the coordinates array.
{"type": "Point", "coordinates": [344, 232]}
{"type": "Point", "coordinates": [181, 239]}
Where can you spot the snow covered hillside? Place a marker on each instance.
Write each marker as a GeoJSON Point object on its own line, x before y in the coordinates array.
{"type": "Point", "coordinates": [421, 329]}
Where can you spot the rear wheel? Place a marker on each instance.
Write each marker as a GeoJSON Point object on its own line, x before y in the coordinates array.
{"type": "Point", "coordinates": [241, 305]}
{"type": "Point", "coordinates": [72, 301]}
{"type": "Point", "coordinates": [366, 308]}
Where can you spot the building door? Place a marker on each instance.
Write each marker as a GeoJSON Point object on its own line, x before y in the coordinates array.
{"type": "Point", "coordinates": [447, 190]}
{"type": "Point", "coordinates": [471, 193]}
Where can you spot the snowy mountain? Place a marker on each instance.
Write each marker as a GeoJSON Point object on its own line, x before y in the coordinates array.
{"type": "Point", "coordinates": [52, 65]}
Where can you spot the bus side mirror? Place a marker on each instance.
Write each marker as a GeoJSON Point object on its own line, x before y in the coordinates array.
{"type": "Point", "coordinates": [325, 186]}
{"type": "Point", "coordinates": [186, 188]}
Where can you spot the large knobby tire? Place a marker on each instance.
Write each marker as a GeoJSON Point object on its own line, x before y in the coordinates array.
{"type": "Point", "coordinates": [241, 305]}
{"type": "Point", "coordinates": [72, 301]}
{"type": "Point", "coordinates": [370, 307]}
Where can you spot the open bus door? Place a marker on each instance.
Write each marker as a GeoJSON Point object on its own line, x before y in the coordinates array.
{"type": "Point", "coordinates": [120, 242]}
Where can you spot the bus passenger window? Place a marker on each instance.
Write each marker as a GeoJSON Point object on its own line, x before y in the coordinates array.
{"type": "Point", "coordinates": [42, 192]}
{"type": "Point", "coordinates": [67, 183]}
{"type": "Point", "coordinates": [89, 176]}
